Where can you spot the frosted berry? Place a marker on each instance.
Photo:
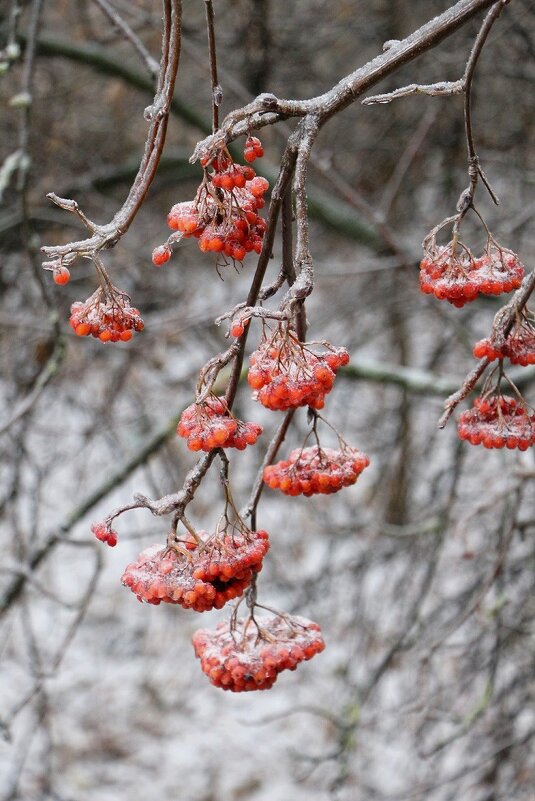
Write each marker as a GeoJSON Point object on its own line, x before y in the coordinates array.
{"type": "Point", "coordinates": [105, 533]}
{"type": "Point", "coordinates": [315, 470]}
{"type": "Point", "coordinates": [519, 347]}
{"type": "Point", "coordinates": [210, 425]}
{"type": "Point", "coordinates": [498, 421]}
{"type": "Point", "coordinates": [223, 215]}
{"type": "Point", "coordinates": [286, 373]}
{"type": "Point", "coordinates": [61, 276]}
{"type": "Point", "coordinates": [107, 315]}
{"type": "Point", "coordinates": [161, 255]}
{"type": "Point", "coordinates": [253, 149]}
{"type": "Point", "coordinates": [214, 572]}
{"type": "Point", "coordinates": [451, 272]}
{"type": "Point", "coordinates": [240, 656]}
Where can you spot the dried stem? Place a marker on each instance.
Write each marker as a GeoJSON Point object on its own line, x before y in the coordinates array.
{"type": "Point", "coordinates": [475, 172]}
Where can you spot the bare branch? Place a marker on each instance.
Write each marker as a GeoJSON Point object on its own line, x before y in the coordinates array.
{"type": "Point", "coordinates": [106, 236]}
{"type": "Point", "coordinates": [439, 89]}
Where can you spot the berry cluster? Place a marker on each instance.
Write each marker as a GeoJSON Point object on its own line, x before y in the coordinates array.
{"type": "Point", "coordinates": [519, 347]}
{"type": "Point", "coordinates": [202, 578]}
{"type": "Point", "coordinates": [496, 422]}
{"type": "Point", "coordinates": [106, 315]}
{"type": "Point", "coordinates": [315, 470]}
{"type": "Point", "coordinates": [452, 273]}
{"type": "Point", "coordinates": [223, 216]}
{"type": "Point", "coordinates": [253, 149]}
{"type": "Point", "coordinates": [210, 425]}
{"type": "Point", "coordinates": [286, 373]}
{"type": "Point", "coordinates": [245, 656]}
{"type": "Point", "coordinates": [105, 533]}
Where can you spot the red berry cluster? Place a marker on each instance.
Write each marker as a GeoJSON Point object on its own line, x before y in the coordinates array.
{"type": "Point", "coordinates": [105, 533]}
{"type": "Point", "coordinates": [253, 149]}
{"type": "Point", "coordinates": [243, 657]}
{"type": "Point", "coordinates": [286, 373]}
{"type": "Point", "coordinates": [452, 273]}
{"type": "Point", "coordinates": [496, 422]}
{"type": "Point", "coordinates": [106, 315]}
{"type": "Point", "coordinates": [315, 470]}
{"type": "Point", "coordinates": [210, 425]}
{"type": "Point", "coordinates": [228, 555]}
{"type": "Point", "coordinates": [519, 347]}
{"type": "Point", "coordinates": [223, 216]}
{"type": "Point", "coordinates": [213, 573]}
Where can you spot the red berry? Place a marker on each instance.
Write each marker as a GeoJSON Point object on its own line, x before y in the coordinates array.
{"type": "Point", "coordinates": [161, 255]}
{"type": "Point", "coordinates": [240, 657]}
{"type": "Point", "coordinates": [62, 276]}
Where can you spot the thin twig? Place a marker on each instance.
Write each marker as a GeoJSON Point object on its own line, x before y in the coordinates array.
{"type": "Point", "coordinates": [107, 236]}
{"type": "Point", "coordinates": [120, 23]}
{"type": "Point", "coordinates": [217, 92]}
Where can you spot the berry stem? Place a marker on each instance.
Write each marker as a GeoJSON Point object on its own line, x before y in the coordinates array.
{"type": "Point", "coordinates": [217, 93]}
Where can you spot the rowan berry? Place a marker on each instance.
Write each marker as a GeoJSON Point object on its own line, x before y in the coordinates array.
{"type": "Point", "coordinates": [214, 571]}
{"type": "Point", "coordinates": [286, 373]}
{"type": "Point", "coordinates": [452, 273]}
{"type": "Point", "coordinates": [105, 533]}
{"type": "Point", "coordinates": [519, 346]}
{"type": "Point", "coordinates": [106, 315]}
{"type": "Point", "coordinates": [253, 149]}
{"type": "Point", "coordinates": [161, 255]}
{"type": "Point", "coordinates": [61, 276]}
{"type": "Point", "coordinates": [243, 655]}
{"type": "Point", "coordinates": [498, 421]}
{"type": "Point", "coordinates": [315, 470]}
{"type": "Point", "coordinates": [210, 425]}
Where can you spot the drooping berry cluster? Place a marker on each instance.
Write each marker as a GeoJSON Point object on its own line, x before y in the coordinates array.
{"type": "Point", "coordinates": [205, 576]}
{"type": "Point", "coordinates": [223, 216]}
{"type": "Point", "coordinates": [245, 657]}
{"type": "Point", "coordinates": [210, 425]}
{"type": "Point", "coordinates": [105, 533]}
{"type": "Point", "coordinates": [106, 315]}
{"type": "Point", "coordinates": [519, 347]}
{"type": "Point", "coordinates": [286, 373]}
{"type": "Point", "coordinates": [452, 273]}
{"type": "Point", "coordinates": [498, 421]}
{"type": "Point", "coordinates": [316, 470]}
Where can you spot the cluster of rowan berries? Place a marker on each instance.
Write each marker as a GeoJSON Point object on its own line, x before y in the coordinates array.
{"type": "Point", "coordinates": [286, 373]}
{"type": "Point", "coordinates": [315, 470]}
{"type": "Point", "coordinates": [210, 424]}
{"type": "Point", "coordinates": [498, 421]}
{"type": "Point", "coordinates": [223, 216]}
{"type": "Point", "coordinates": [253, 149]}
{"type": "Point", "coordinates": [452, 273]}
{"type": "Point", "coordinates": [519, 347]}
{"type": "Point", "coordinates": [105, 533]}
{"type": "Point", "coordinates": [249, 654]}
{"type": "Point", "coordinates": [204, 575]}
{"type": "Point", "coordinates": [106, 315]}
